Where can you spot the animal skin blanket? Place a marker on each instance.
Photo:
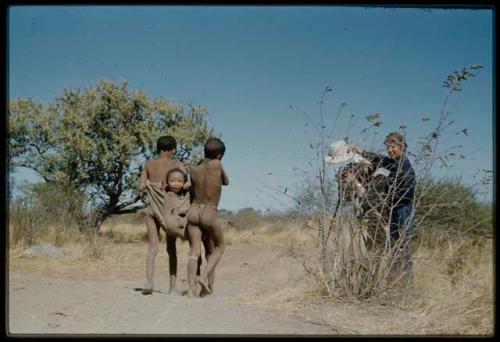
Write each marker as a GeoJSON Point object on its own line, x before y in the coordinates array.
{"type": "Point", "coordinates": [168, 208]}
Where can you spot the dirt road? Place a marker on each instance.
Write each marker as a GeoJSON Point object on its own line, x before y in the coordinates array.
{"type": "Point", "coordinates": [103, 299]}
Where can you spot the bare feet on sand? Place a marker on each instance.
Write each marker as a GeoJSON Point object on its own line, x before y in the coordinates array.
{"type": "Point", "coordinates": [204, 285]}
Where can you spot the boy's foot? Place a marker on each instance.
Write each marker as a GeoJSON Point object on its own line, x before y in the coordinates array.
{"type": "Point", "coordinates": [172, 284]}
{"type": "Point", "coordinates": [147, 291]}
{"type": "Point", "coordinates": [148, 288]}
{"type": "Point", "coordinates": [203, 293]}
{"type": "Point", "coordinates": [204, 286]}
{"type": "Point", "coordinates": [192, 292]}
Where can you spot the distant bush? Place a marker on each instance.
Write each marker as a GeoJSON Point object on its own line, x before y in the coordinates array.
{"type": "Point", "coordinates": [243, 218]}
{"type": "Point", "coordinates": [290, 215]}
{"type": "Point", "coordinates": [448, 207]}
{"type": "Point", "coordinates": [249, 217]}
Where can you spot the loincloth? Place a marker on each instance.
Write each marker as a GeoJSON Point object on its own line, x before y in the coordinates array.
{"type": "Point", "coordinates": [203, 205]}
{"type": "Point", "coordinates": [196, 211]}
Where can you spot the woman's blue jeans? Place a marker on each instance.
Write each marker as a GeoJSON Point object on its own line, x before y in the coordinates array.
{"type": "Point", "coordinates": [402, 228]}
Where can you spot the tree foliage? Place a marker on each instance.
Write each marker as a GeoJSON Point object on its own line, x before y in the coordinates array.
{"type": "Point", "coordinates": [96, 140]}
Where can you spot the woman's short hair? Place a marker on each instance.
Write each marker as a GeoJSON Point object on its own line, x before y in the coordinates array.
{"type": "Point", "coordinates": [397, 139]}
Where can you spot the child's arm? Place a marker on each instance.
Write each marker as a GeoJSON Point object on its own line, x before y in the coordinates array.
{"type": "Point", "coordinates": [142, 179]}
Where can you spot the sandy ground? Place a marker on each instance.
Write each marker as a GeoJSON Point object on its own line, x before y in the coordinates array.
{"type": "Point", "coordinates": [70, 298]}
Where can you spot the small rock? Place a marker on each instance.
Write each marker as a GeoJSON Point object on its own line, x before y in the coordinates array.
{"type": "Point", "coordinates": [43, 248]}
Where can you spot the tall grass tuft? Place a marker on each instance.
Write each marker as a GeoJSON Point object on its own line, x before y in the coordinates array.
{"type": "Point", "coordinates": [36, 217]}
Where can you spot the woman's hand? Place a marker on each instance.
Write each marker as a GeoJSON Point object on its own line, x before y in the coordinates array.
{"type": "Point", "coordinates": [353, 148]}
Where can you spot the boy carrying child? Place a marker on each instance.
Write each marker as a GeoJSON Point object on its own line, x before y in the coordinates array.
{"type": "Point", "coordinates": [154, 180]}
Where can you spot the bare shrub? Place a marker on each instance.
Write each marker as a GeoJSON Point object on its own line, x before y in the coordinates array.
{"type": "Point", "coordinates": [356, 257]}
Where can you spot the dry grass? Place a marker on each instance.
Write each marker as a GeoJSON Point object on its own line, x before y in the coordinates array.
{"type": "Point", "coordinates": [453, 292]}
{"type": "Point", "coordinates": [455, 303]}
{"type": "Point", "coordinates": [292, 235]}
{"type": "Point", "coordinates": [55, 234]}
{"type": "Point", "coordinates": [439, 304]}
{"type": "Point", "coordinates": [126, 232]}
{"type": "Point", "coordinates": [127, 228]}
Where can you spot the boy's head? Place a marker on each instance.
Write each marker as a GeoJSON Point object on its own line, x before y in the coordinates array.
{"type": "Point", "coordinates": [214, 148]}
{"type": "Point", "coordinates": [165, 143]}
{"type": "Point", "coordinates": [176, 179]}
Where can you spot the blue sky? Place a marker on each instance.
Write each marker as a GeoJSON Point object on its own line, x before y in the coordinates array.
{"type": "Point", "coordinates": [258, 69]}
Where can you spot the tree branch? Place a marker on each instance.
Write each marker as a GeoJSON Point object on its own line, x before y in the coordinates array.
{"type": "Point", "coordinates": [126, 204]}
{"type": "Point", "coordinates": [131, 210]}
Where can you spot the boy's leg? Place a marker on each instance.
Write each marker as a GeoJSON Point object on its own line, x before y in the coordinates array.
{"type": "Point", "coordinates": [209, 249]}
{"type": "Point", "coordinates": [200, 260]}
{"type": "Point", "coordinates": [172, 261]}
{"type": "Point", "coordinates": [153, 241]}
{"type": "Point", "coordinates": [194, 254]}
{"type": "Point", "coordinates": [210, 222]}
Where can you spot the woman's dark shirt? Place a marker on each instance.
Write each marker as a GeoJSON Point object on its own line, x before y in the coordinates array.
{"type": "Point", "coordinates": [401, 180]}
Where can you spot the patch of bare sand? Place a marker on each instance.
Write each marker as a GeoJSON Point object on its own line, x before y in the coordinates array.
{"type": "Point", "coordinates": [262, 270]}
{"type": "Point", "coordinates": [75, 295]}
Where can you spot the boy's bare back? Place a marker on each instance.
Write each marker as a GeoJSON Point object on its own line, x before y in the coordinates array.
{"type": "Point", "coordinates": [206, 182]}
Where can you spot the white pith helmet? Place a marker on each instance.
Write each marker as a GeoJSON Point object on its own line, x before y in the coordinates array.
{"type": "Point", "coordinates": [337, 153]}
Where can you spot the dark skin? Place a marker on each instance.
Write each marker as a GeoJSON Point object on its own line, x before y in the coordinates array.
{"type": "Point", "coordinates": [206, 184]}
{"type": "Point", "coordinates": [156, 170]}
{"type": "Point", "coordinates": [208, 244]}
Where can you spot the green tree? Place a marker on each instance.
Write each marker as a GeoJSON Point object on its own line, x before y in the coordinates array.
{"type": "Point", "coordinates": [95, 140]}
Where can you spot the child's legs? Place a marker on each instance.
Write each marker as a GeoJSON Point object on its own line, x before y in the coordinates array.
{"type": "Point", "coordinates": [153, 241]}
{"type": "Point", "coordinates": [172, 254]}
